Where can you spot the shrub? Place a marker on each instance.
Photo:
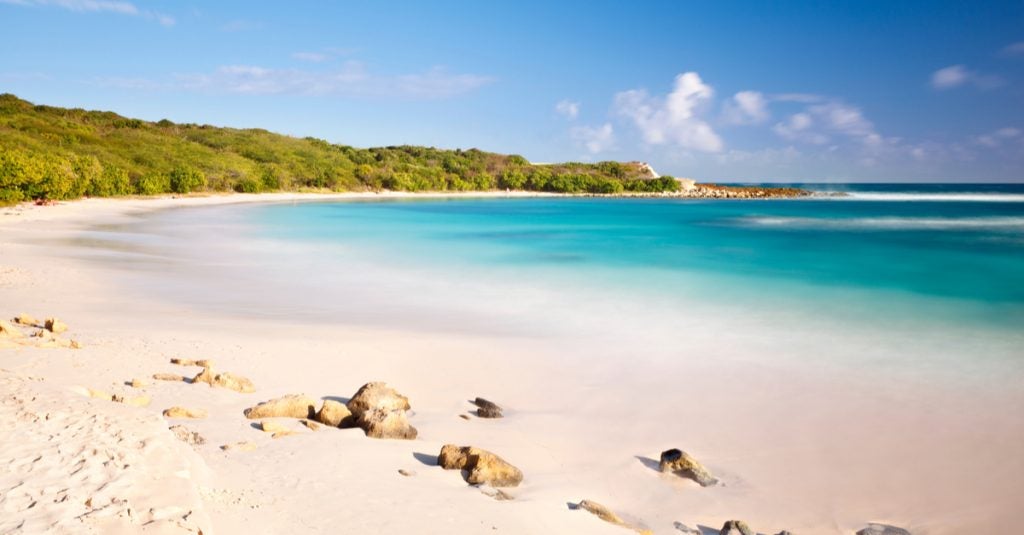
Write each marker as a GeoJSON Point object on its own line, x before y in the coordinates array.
{"type": "Point", "coordinates": [152, 184]}
{"type": "Point", "coordinates": [186, 180]}
{"type": "Point", "coordinates": [112, 182]}
{"type": "Point", "coordinates": [248, 185]}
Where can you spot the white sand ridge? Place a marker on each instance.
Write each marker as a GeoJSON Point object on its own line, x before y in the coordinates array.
{"type": "Point", "coordinates": [78, 465]}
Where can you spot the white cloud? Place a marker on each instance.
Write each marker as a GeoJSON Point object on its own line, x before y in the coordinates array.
{"type": "Point", "coordinates": [819, 122]}
{"type": "Point", "coordinates": [1014, 49]}
{"type": "Point", "coordinates": [746, 107]}
{"type": "Point", "coordinates": [949, 77]}
{"type": "Point", "coordinates": [595, 139]}
{"type": "Point", "coordinates": [352, 79]}
{"type": "Point", "coordinates": [97, 6]}
{"type": "Point", "coordinates": [568, 108]}
{"type": "Point", "coordinates": [998, 137]}
{"type": "Point", "coordinates": [959, 75]}
{"type": "Point", "coordinates": [799, 128]}
{"type": "Point", "coordinates": [312, 57]}
{"type": "Point", "coordinates": [672, 119]}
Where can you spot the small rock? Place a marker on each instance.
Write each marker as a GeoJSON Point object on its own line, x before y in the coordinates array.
{"type": "Point", "coordinates": [234, 382]}
{"type": "Point", "coordinates": [686, 529]}
{"type": "Point", "coordinates": [383, 423]}
{"type": "Point", "coordinates": [682, 463]}
{"type": "Point", "coordinates": [137, 401]}
{"type": "Point", "coordinates": [377, 395]}
{"type": "Point", "coordinates": [203, 363]}
{"type": "Point", "coordinates": [206, 376]}
{"type": "Point", "coordinates": [290, 406]}
{"type": "Point", "coordinates": [406, 473]}
{"type": "Point", "coordinates": [273, 426]}
{"type": "Point", "coordinates": [313, 426]}
{"type": "Point", "coordinates": [168, 377]}
{"type": "Point", "coordinates": [483, 467]}
{"type": "Point", "coordinates": [464, 417]}
{"type": "Point", "coordinates": [600, 511]}
{"type": "Point", "coordinates": [785, 532]}
{"type": "Point", "coordinates": [487, 409]}
{"type": "Point", "coordinates": [27, 320]}
{"type": "Point", "coordinates": [497, 494]}
{"type": "Point", "coordinates": [736, 527]}
{"type": "Point", "coordinates": [9, 331]}
{"type": "Point", "coordinates": [335, 414]}
{"type": "Point", "coordinates": [55, 326]}
{"type": "Point", "coordinates": [191, 438]}
{"type": "Point", "coordinates": [138, 383]}
{"type": "Point", "coordinates": [607, 515]}
{"type": "Point", "coordinates": [875, 528]}
{"type": "Point", "coordinates": [182, 412]}
{"type": "Point", "coordinates": [240, 446]}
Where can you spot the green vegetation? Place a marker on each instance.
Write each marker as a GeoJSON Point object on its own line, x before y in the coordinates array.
{"type": "Point", "coordinates": [57, 153]}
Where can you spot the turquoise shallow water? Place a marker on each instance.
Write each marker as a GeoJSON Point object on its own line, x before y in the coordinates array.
{"type": "Point", "coordinates": [930, 252]}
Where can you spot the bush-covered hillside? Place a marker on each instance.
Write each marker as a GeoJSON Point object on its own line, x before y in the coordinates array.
{"type": "Point", "coordinates": [57, 153]}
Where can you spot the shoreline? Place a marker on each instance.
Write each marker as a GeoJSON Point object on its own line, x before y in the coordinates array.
{"type": "Point", "coordinates": [566, 447]}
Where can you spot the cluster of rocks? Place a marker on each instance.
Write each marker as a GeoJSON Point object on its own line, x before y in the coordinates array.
{"type": "Point", "coordinates": [379, 410]}
{"type": "Point", "coordinates": [25, 330]}
{"type": "Point", "coordinates": [716, 191]}
{"type": "Point", "coordinates": [382, 413]}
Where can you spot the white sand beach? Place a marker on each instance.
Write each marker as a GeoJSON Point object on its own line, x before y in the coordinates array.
{"type": "Point", "coordinates": [810, 447]}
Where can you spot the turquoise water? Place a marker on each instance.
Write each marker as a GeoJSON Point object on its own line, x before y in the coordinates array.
{"type": "Point", "coordinates": [943, 252]}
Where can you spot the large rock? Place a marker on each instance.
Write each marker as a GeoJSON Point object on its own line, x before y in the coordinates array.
{"type": "Point", "coordinates": [383, 423]}
{"type": "Point", "coordinates": [736, 527]}
{"type": "Point", "coordinates": [882, 529]}
{"type": "Point", "coordinates": [482, 466]}
{"type": "Point", "coordinates": [682, 463]}
{"type": "Point", "coordinates": [377, 396]}
{"type": "Point", "coordinates": [487, 409]}
{"type": "Point", "coordinates": [290, 406]}
{"type": "Point", "coordinates": [335, 414]}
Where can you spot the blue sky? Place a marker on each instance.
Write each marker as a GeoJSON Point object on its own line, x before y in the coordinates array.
{"type": "Point", "coordinates": [715, 90]}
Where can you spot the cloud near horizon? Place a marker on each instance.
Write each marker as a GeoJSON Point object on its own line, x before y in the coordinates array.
{"type": "Point", "coordinates": [673, 119]}
{"type": "Point", "coordinates": [352, 79]}
{"type": "Point", "coordinates": [594, 139]}
{"type": "Point", "coordinates": [97, 6]}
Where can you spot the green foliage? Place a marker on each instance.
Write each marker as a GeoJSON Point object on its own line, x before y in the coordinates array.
{"type": "Point", "coordinates": [248, 185]}
{"type": "Point", "coordinates": [112, 182]}
{"type": "Point", "coordinates": [58, 153]}
{"type": "Point", "coordinates": [186, 180]}
{"type": "Point", "coordinates": [152, 184]}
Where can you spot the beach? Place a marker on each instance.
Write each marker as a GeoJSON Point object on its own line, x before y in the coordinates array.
{"type": "Point", "coordinates": [811, 446]}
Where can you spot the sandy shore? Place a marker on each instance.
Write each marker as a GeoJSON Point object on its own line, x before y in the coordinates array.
{"type": "Point", "coordinates": [809, 449]}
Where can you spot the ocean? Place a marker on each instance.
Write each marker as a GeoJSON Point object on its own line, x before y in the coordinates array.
{"type": "Point", "coordinates": [897, 274]}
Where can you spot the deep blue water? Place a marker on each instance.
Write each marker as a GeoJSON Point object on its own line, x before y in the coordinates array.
{"type": "Point", "coordinates": [953, 252]}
